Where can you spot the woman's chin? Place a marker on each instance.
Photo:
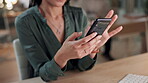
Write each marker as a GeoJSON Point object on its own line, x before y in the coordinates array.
{"type": "Point", "coordinates": [59, 4]}
{"type": "Point", "coordinates": [56, 3]}
{"type": "Point", "coordinates": [61, 0]}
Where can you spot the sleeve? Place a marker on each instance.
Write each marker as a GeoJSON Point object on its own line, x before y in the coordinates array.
{"type": "Point", "coordinates": [43, 67]}
{"type": "Point", "coordinates": [86, 62]}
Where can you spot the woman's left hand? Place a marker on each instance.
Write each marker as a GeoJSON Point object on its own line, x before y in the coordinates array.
{"type": "Point", "coordinates": [106, 35]}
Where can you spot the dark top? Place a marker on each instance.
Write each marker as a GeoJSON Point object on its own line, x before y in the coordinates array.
{"type": "Point", "coordinates": [40, 44]}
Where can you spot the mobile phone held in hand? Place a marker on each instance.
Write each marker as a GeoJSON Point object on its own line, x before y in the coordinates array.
{"type": "Point", "coordinates": [99, 26]}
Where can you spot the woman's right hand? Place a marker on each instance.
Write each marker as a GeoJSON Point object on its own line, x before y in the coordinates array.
{"type": "Point", "coordinates": [76, 49]}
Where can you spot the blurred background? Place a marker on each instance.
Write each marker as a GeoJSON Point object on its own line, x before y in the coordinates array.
{"type": "Point", "coordinates": [133, 40]}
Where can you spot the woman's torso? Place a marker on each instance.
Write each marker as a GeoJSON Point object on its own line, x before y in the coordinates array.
{"type": "Point", "coordinates": [74, 21]}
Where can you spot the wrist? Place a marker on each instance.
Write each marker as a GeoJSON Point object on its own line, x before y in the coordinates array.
{"type": "Point", "coordinates": [60, 60]}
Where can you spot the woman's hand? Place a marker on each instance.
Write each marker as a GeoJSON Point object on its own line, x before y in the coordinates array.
{"type": "Point", "coordinates": [106, 35]}
{"type": "Point", "coordinates": [76, 49]}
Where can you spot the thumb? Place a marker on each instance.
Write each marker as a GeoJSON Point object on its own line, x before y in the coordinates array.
{"type": "Point", "coordinates": [74, 36]}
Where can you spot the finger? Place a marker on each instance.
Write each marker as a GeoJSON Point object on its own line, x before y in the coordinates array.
{"type": "Point", "coordinates": [114, 32]}
{"type": "Point", "coordinates": [74, 36]}
{"type": "Point", "coordinates": [110, 14]}
{"type": "Point", "coordinates": [90, 49]}
{"type": "Point", "coordinates": [86, 39]}
{"type": "Point", "coordinates": [95, 51]}
{"type": "Point", "coordinates": [96, 48]}
{"type": "Point", "coordinates": [92, 43]}
{"type": "Point", "coordinates": [112, 22]}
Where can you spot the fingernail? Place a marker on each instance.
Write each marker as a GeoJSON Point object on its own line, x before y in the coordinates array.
{"type": "Point", "coordinates": [121, 26]}
{"type": "Point", "coordinates": [116, 15]}
{"type": "Point", "coordinates": [95, 33]}
{"type": "Point", "coordinates": [80, 32]}
{"type": "Point", "coordinates": [100, 36]}
{"type": "Point", "coordinates": [112, 10]}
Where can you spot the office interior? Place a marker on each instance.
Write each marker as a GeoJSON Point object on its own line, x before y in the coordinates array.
{"type": "Point", "coordinates": [131, 41]}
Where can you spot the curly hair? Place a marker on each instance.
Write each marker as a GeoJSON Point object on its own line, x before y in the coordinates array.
{"type": "Point", "coordinates": [38, 2]}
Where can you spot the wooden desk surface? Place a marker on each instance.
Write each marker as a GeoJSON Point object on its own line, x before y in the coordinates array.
{"type": "Point", "coordinates": [109, 72]}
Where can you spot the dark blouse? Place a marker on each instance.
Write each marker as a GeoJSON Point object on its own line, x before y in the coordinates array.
{"type": "Point", "coordinates": [40, 44]}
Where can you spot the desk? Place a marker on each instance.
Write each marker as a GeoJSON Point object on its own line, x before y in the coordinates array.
{"type": "Point", "coordinates": [109, 72]}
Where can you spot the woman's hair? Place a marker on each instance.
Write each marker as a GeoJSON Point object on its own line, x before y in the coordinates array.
{"type": "Point", "coordinates": [38, 2]}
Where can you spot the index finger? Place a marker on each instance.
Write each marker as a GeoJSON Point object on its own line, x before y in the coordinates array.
{"type": "Point", "coordinates": [86, 39]}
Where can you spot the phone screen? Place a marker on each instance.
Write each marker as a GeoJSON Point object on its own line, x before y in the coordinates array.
{"type": "Point", "coordinates": [99, 26]}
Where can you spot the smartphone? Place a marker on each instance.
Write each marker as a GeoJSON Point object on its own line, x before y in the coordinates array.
{"type": "Point", "coordinates": [99, 26]}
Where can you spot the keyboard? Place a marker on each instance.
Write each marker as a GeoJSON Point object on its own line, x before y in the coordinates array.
{"type": "Point", "coordinates": [133, 78]}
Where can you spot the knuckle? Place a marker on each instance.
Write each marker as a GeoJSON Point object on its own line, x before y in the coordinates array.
{"type": "Point", "coordinates": [79, 56]}
{"type": "Point", "coordinates": [91, 36]}
{"type": "Point", "coordinates": [94, 40]}
{"type": "Point", "coordinates": [97, 40]}
{"type": "Point", "coordinates": [77, 52]}
{"type": "Point", "coordinates": [88, 51]}
{"type": "Point", "coordinates": [89, 44]}
{"type": "Point", "coordinates": [99, 37]}
{"type": "Point", "coordinates": [84, 40]}
{"type": "Point", "coordinates": [73, 46]}
{"type": "Point", "coordinates": [75, 33]}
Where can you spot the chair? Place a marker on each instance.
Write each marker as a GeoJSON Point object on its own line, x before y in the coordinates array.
{"type": "Point", "coordinates": [24, 67]}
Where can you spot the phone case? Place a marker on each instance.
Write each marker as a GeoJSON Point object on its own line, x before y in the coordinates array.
{"type": "Point", "coordinates": [99, 26]}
